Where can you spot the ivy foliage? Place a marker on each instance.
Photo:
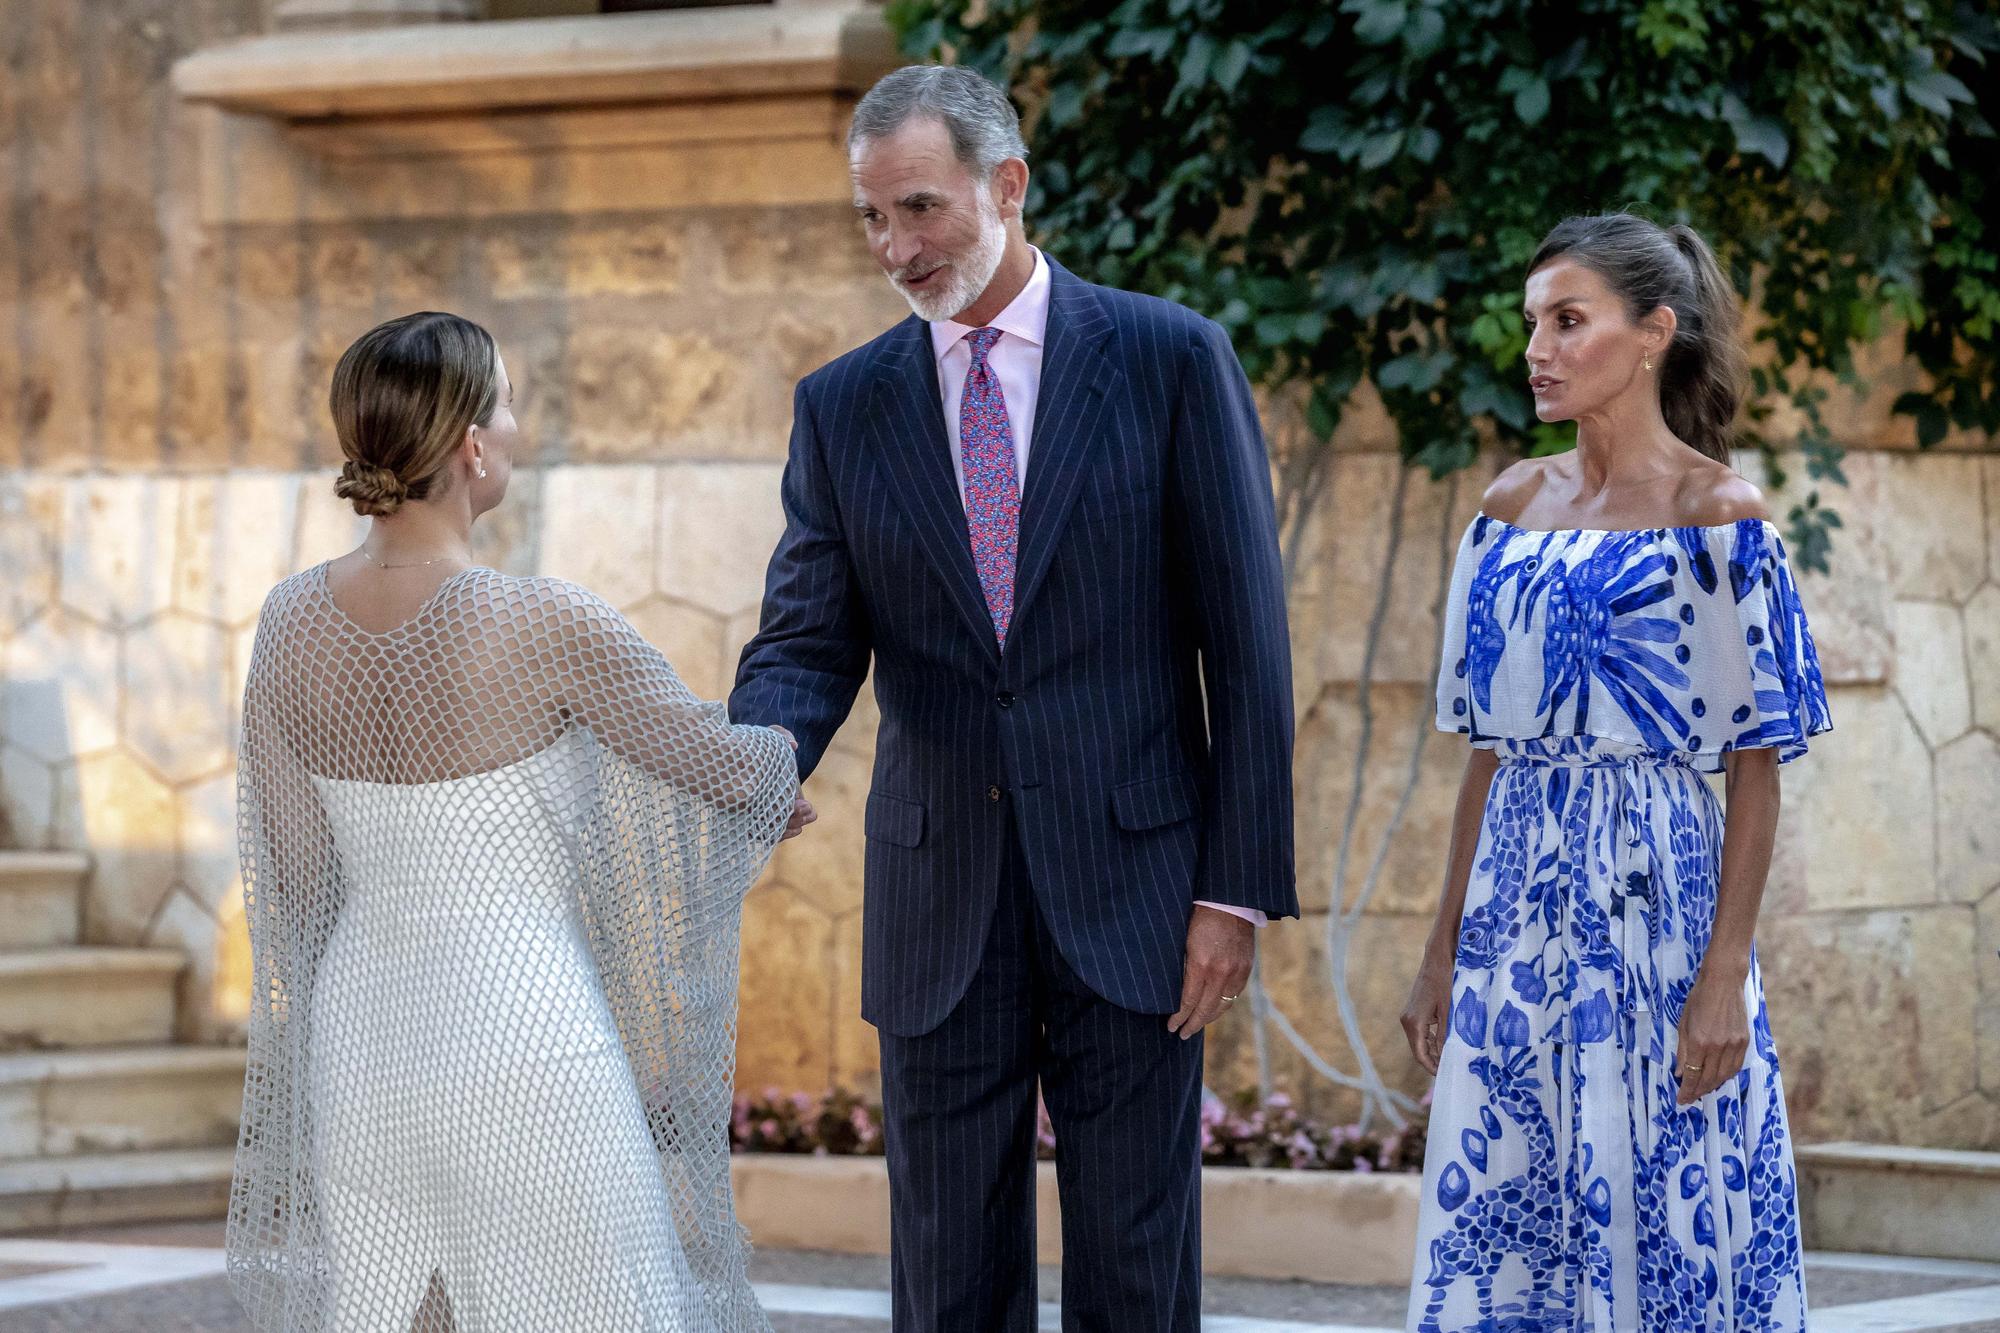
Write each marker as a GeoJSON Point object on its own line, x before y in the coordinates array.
{"type": "Point", "coordinates": [1353, 187]}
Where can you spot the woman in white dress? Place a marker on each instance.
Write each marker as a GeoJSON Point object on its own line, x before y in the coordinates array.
{"type": "Point", "coordinates": [494, 854]}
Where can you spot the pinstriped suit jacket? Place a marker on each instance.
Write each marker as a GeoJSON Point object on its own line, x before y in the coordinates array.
{"type": "Point", "coordinates": [1148, 565]}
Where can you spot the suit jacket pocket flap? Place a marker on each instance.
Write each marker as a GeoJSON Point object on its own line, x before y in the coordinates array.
{"type": "Point", "coordinates": [1156, 802]}
{"type": "Point", "coordinates": [893, 820]}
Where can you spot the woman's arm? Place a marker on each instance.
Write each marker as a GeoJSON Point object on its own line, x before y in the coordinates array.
{"type": "Point", "coordinates": [1715, 1022]}
{"type": "Point", "coordinates": [1430, 997]}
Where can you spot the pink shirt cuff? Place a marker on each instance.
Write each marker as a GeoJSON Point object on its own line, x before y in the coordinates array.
{"type": "Point", "coordinates": [1250, 914]}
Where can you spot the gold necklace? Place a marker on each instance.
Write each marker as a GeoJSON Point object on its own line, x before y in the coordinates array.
{"type": "Point", "coordinates": [413, 564]}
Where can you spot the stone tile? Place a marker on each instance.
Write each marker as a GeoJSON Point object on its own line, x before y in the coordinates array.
{"type": "Point", "coordinates": [125, 816]}
{"type": "Point", "coordinates": [284, 412]}
{"type": "Point", "coordinates": [624, 257]}
{"type": "Point", "coordinates": [1382, 954]}
{"type": "Point", "coordinates": [418, 269]}
{"type": "Point", "coordinates": [719, 523]}
{"type": "Point", "coordinates": [1982, 654]}
{"type": "Point", "coordinates": [1873, 1013]}
{"type": "Point", "coordinates": [118, 546]}
{"type": "Point", "coordinates": [1865, 797]}
{"type": "Point", "coordinates": [857, 1050]}
{"type": "Point", "coordinates": [824, 863]}
{"type": "Point", "coordinates": [1968, 789]}
{"type": "Point", "coordinates": [1340, 562]}
{"type": "Point", "coordinates": [509, 538]}
{"type": "Point", "coordinates": [1931, 669]}
{"type": "Point", "coordinates": [175, 704]}
{"type": "Point", "coordinates": [31, 512]}
{"type": "Point", "coordinates": [634, 392]}
{"type": "Point", "coordinates": [235, 543]}
{"type": "Point", "coordinates": [691, 639]}
{"type": "Point", "coordinates": [1929, 506]}
{"type": "Point", "coordinates": [59, 687]}
{"type": "Point", "coordinates": [234, 978]}
{"type": "Point", "coordinates": [328, 525]}
{"type": "Point", "coordinates": [198, 398]}
{"type": "Point", "coordinates": [736, 636]}
{"type": "Point", "coordinates": [28, 798]}
{"type": "Point", "coordinates": [1986, 967]}
{"type": "Point", "coordinates": [182, 923]}
{"type": "Point", "coordinates": [1413, 850]}
{"type": "Point", "coordinates": [787, 993]}
{"type": "Point", "coordinates": [1990, 469]}
{"type": "Point", "coordinates": [208, 872]}
{"type": "Point", "coordinates": [598, 529]}
{"type": "Point", "coordinates": [1848, 606]}
{"type": "Point", "coordinates": [813, 250]}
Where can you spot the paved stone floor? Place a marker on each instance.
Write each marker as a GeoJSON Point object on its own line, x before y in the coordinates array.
{"type": "Point", "coordinates": [166, 1279]}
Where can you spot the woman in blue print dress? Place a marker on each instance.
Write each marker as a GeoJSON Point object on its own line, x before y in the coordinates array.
{"type": "Point", "coordinates": [1608, 1147]}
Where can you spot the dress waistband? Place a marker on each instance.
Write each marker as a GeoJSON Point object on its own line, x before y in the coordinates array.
{"type": "Point", "coordinates": [1585, 752]}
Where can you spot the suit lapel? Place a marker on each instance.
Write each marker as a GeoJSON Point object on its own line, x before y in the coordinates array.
{"type": "Point", "coordinates": [1075, 376]}
{"type": "Point", "coordinates": [906, 424]}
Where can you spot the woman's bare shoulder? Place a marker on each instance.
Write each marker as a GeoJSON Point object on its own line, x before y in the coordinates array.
{"type": "Point", "coordinates": [1511, 491]}
{"type": "Point", "coordinates": [1717, 494]}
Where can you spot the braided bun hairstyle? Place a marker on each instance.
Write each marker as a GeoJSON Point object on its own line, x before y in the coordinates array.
{"type": "Point", "coordinates": [403, 397]}
{"type": "Point", "coordinates": [1649, 266]}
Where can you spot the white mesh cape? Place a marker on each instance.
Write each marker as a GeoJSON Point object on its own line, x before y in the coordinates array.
{"type": "Point", "coordinates": [494, 861]}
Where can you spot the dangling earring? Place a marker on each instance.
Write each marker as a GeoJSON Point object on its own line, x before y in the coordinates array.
{"type": "Point", "coordinates": [1647, 362]}
{"type": "Point", "coordinates": [482, 466]}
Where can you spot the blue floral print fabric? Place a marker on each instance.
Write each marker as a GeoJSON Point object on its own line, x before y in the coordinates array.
{"type": "Point", "coordinates": [1563, 1187]}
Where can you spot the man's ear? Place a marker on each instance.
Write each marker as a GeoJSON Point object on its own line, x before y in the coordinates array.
{"type": "Point", "coordinates": [1010, 187]}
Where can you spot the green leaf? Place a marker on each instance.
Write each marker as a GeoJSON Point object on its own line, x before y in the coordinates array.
{"type": "Point", "coordinates": [1380, 22]}
{"type": "Point", "coordinates": [1531, 103]}
{"type": "Point", "coordinates": [1423, 144]}
{"type": "Point", "coordinates": [1764, 136]}
{"type": "Point", "coordinates": [1195, 62]}
{"type": "Point", "coordinates": [1229, 69]}
{"type": "Point", "coordinates": [1380, 148]}
{"type": "Point", "coordinates": [1325, 130]}
{"type": "Point", "coordinates": [1424, 33]}
{"type": "Point", "coordinates": [1932, 424]}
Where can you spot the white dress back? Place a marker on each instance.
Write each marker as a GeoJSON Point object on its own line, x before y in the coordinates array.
{"type": "Point", "coordinates": [494, 861]}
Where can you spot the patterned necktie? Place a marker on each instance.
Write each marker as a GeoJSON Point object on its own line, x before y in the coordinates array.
{"type": "Point", "coordinates": [992, 486]}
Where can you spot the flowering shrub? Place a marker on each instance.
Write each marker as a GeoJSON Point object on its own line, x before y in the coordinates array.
{"type": "Point", "coordinates": [1236, 1132]}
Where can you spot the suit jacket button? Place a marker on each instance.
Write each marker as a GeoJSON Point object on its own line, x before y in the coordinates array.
{"type": "Point", "coordinates": [992, 793]}
{"type": "Point", "coordinates": [1005, 698]}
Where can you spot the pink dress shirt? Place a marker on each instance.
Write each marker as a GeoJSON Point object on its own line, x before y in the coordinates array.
{"type": "Point", "coordinates": [1017, 360]}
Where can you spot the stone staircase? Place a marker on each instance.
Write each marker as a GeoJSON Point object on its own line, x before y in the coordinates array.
{"type": "Point", "coordinates": [103, 1118]}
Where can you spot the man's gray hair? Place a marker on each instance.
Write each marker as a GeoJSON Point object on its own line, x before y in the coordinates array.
{"type": "Point", "coordinates": [985, 129]}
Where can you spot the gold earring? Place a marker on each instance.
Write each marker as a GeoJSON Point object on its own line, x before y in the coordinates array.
{"type": "Point", "coordinates": [1648, 363]}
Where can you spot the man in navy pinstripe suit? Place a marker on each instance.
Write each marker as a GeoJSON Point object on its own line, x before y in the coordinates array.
{"type": "Point", "coordinates": [1043, 509]}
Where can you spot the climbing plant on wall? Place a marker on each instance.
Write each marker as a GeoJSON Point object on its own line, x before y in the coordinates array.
{"type": "Point", "coordinates": [1353, 187]}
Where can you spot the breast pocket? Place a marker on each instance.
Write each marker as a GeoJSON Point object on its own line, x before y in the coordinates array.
{"type": "Point", "coordinates": [1103, 505]}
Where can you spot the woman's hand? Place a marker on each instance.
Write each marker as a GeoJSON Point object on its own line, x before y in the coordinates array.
{"type": "Point", "coordinates": [1428, 1011]}
{"type": "Point", "coordinates": [1715, 1033]}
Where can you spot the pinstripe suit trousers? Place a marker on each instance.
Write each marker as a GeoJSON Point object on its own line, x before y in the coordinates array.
{"type": "Point", "coordinates": [1124, 1096]}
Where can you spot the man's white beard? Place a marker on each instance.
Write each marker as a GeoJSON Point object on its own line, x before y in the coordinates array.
{"type": "Point", "coordinates": [968, 276]}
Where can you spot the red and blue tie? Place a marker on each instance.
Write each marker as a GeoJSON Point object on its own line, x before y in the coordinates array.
{"type": "Point", "coordinates": [992, 484]}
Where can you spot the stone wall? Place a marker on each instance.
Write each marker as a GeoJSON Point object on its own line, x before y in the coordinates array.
{"type": "Point", "coordinates": [164, 458]}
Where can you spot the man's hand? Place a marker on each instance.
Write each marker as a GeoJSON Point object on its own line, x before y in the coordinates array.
{"type": "Point", "coordinates": [802, 809]}
{"type": "Point", "coordinates": [802, 815]}
{"type": "Point", "coordinates": [1220, 950]}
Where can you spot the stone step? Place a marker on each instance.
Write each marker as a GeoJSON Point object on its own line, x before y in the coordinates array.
{"type": "Point", "coordinates": [87, 996]}
{"type": "Point", "coordinates": [41, 896]}
{"type": "Point", "coordinates": [103, 1189]}
{"type": "Point", "coordinates": [129, 1099]}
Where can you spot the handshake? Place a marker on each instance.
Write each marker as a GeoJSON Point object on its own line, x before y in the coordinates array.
{"type": "Point", "coordinates": [802, 809]}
